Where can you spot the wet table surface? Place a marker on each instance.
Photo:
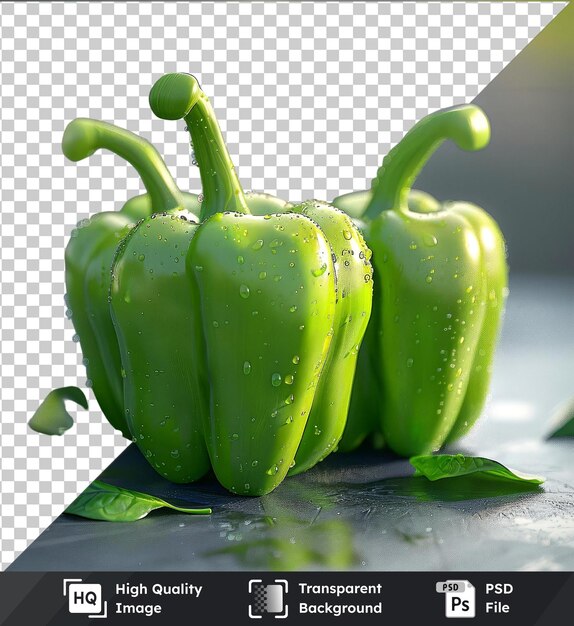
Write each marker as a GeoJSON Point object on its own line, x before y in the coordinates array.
{"type": "Point", "coordinates": [363, 511]}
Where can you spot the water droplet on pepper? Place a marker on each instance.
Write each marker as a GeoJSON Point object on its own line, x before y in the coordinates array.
{"type": "Point", "coordinates": [319, 271]}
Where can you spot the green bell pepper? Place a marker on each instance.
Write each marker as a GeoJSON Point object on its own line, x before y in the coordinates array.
{"type": "Point", "coordinates": [90, 252]}
{"type": "Point", "coordinates": [425, 364]}
{"type": "Point", "coordinates": [238, 331]}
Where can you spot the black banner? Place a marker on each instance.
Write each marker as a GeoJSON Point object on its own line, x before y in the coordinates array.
{"type": "Point", "coordinates": [55, 598]}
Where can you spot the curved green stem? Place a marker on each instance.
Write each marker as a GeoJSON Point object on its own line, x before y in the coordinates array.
{"type": "Point", "coordinates": [466, 125]}
{"type": "Point", "coordinates": [83, 137]}
{"type": "Point", "coordinates": [179, 96]}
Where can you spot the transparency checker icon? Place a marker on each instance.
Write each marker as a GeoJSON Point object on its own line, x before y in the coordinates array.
{"type": "Point", "coordinates": [85, 598]}
{"type": "Point", "coordinates": [460, 598]}
{"type": "Point", "coordinates": [268, 598]}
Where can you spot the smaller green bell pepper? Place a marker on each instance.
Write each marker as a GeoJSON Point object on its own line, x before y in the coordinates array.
{"type": "Point", "coordinates": [438, 301]}
{"type": "Point", "coordinates": [91, 249]}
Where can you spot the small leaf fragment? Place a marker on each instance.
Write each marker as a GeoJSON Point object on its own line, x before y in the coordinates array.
{"type": "Point", "coordinates": [563, 422]}
{"type": "Point", "coordinates": [102, 501]}
{"type": "Point", "coordinates": [51, 417]}
{"type": "Point", "coordinates": [436, 467]}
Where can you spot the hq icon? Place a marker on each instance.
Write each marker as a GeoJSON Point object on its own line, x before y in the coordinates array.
{"type": "Point", "coordinates": [85, 598]}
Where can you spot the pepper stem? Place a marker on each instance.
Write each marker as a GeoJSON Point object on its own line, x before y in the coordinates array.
{"type": "Point", "coordinates": [466, 125]}
{"type": "Point", "coordinates": [83, 137]}
{"type": "Point", "coordinates": [179, 96]}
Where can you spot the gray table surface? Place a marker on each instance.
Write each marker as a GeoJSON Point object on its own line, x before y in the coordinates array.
{"type": "Point", "coordinates": [362, 511]}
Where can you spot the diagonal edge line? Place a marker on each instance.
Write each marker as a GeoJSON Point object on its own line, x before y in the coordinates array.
{"type": "Point", "coordinates": [38, 579]}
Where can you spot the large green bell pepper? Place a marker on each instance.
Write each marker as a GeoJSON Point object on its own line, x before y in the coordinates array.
{"type": "Point", "coordinates": [441, 271]}
{"type": "Point", "coordinates": [238, 334]}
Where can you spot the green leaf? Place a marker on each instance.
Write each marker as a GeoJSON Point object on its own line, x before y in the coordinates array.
{"type": "Point", "coordinates": [436, 467]}
{"type": "Point", "coordinates": [51, 417]}
{"type": "Point", "coordinates": [115, 504]}
{"type": "Point", "coordinates": [563, 422]}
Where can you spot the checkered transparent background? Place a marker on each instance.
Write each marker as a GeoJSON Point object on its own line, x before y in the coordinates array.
{"type": "Point", "coordinates": [309, 96]}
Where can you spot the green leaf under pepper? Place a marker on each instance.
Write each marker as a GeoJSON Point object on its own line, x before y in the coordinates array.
{"type": "Point", "coordinates": [51, 417]}
{"type": "Point", "coordinates": [101, 501]}
{"type": "Point", "coordinates": [436, 467]}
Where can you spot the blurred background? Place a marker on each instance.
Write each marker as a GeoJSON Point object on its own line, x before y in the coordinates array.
{"type": "Point", "coordinates": [525, 178]}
